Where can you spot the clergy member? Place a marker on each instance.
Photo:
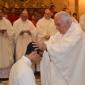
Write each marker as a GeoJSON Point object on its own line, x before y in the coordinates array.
{"type": "Point", "coordinates": [24, 33]}
{"type": "Point", "coordinates": [46, 26]}
{"type": "Point", "coordinates": [21, 72]}
{"type": "Point", "coordinates": [63, 60]}
{"type": "Point", "coordinates": [6, 46]}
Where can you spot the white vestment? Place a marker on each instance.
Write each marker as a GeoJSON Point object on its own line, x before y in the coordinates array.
{"type": "Point", "coordinates": [82, 21]}
{"type": "Point", "coordinates": [6, 48]}
{"type": "Point", "coordinates": [21, 73]}
{"type": "Point", "coordinates": [23, 40]}
{"type": "Point", "coordinates": [63, 62]}
{"type": "Point", "coordinates": [46, 27]}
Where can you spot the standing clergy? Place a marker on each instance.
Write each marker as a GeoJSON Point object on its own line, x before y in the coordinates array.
{"type": "Point", "coordinates": [46, 26]}
{"type": "Point", "coordinates": [6, 46]}
{"type": "Point", "coordinates": [24, 33]}
{"type": "Point", "coordinates": [63, 60]}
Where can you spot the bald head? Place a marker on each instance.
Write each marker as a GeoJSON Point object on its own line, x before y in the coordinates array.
{"type": "Point", "coordinates": [24, 15]}
{"type": "Point", "coordinates": [63, 20]}
{"type": "Point", "coordinates": [47, 14]}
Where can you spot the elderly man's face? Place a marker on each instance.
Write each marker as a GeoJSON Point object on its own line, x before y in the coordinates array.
{"type": "Point", "coordinates": [48, 14]}
{"type": "Point", "coordinates": [61, 24]}
{"type": "Point", "coordinates": [24, 16]}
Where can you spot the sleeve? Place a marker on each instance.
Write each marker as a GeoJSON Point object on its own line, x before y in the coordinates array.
{"type": "Point", "coordinates": [63, 45]}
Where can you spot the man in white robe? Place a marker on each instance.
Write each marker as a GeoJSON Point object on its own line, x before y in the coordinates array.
{"type": "Point", "coordinates": [64, 56]}
{"type": "Point", "coordinates": [82, 21]}
{"type": "Point", "coordinates": [6, 46]}
{"type": "Point", "coordinates": [21, 72]}
{"type": "Point", "coordinates": [46, 26]}
{"type": "Point", "coordinates": [24, 33]}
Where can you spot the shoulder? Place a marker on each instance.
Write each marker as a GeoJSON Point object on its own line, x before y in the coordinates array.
{"type": "Point", "coordinates": [29, 22]}
{"type": "Point", "coordinates": [40, 20]}
{"type": "Point", "coordinates": [20, 67]}
{"type": "Point", "coordinates": [31, 25]}
{"type": "Point", "coordinates": [21, 73]}
{"type": "Point", "coordinates": [6, 20]}
{"type": "Point", "coordinates": [17, 21]}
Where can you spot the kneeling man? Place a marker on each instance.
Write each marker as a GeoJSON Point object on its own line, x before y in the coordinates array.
{"type": "Point", "coordinates": [21, 72]}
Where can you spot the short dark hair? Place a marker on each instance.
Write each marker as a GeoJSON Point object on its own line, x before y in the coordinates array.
{"type": "Point", "coordinates": [32, 47]}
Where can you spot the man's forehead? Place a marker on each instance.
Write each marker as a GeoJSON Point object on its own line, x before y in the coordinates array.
{"type": "Point", "coordinates": [24, 12]}
{"type": "Point", "coordinates": [47, 11]}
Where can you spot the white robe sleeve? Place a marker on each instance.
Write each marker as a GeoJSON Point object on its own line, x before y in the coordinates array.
{"type": "Point", "coordinates": [63, 45]}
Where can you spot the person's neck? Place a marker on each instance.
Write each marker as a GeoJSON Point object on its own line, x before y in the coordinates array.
{"type": "Point", "coordinates": [23, 20]}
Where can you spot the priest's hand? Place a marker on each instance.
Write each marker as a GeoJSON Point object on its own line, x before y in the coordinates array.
{"type": "Point", "coordinates": [41, 45]}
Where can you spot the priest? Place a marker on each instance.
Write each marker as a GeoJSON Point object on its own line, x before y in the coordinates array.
{"type": "Point", "coordinates": [25, 32]}
{"type": "Point", "coordinates": [64, 53]}
{"type": "Point", "coordinates": [6, 46]}
{"type": "Point", "coordinates": [45, 26]}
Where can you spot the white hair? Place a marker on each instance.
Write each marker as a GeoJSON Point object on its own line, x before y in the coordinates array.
{"type": "Point", "coordinates": [64, 15]}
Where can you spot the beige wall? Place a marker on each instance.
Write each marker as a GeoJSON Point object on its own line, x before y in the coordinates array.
{"type": "Point", "coordinates": [81, 7]}
{"type": "Point", "coordinates": [71, 5]}
{"type": "Point", "coordinates": [60, 4]}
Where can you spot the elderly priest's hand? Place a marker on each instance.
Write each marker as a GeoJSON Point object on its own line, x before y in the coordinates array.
{"type": "Point", "coordinates": [41, 45]}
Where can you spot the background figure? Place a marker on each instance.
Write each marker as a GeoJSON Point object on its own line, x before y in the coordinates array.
{"type": "Point", "coordinates": [6, 46]}
{"type": "Point", "coordinates": [46, 26]}
{"type": "Point", "coordinates": [52, 9]}
{"type": "Point", "coordinates": [34, 19]}
{"type": "Point", "coordinates": [24, 33]}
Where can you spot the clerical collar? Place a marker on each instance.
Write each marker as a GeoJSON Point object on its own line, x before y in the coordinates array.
{"type": "Point", "coordinates": [27, 60]}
